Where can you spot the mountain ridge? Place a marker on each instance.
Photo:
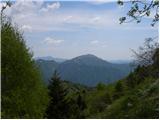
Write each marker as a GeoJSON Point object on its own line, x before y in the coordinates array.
{"type": "Point", "coordinates": [87, 70]}
{"type": "Point", "coordinates": [59, 60]}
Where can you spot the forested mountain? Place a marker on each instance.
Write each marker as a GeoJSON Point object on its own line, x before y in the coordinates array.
{"type": "Point", "coordinates": [76, 88]}
{"type": "Point", "coordinates": [86, 69]}
{"type": "Point", "coordinates": [47, 68]}
{"type": "Point", "coordinates": [135, 96]}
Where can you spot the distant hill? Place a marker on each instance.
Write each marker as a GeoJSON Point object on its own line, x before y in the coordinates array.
{"type": "Point", "coordinates": [47, 68]}
{"type": "Point", "coordinates": [90, 70]}
{"type": "Point", "coordinates": [86, 70]}
{"type": "Point", "coordinates": [59, 60]}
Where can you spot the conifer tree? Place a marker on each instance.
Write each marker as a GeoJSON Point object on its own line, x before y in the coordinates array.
{"type": "Point", "coordinates": [118, 90]}
{"type": "Point", "coordinates": [58, 106]}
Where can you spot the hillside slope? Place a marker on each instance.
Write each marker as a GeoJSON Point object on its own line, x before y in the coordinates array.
{"type": "Point", "coordinates": [47, 68]}
{"type": "Point", "coordinates": [90, 70]}
{"type": "Point", "coordinates": [136, 96]}
{"type": "Point", "coordinates": [86, 70]}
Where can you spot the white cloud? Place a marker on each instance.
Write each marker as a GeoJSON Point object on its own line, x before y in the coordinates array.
{"type": "Point", "coordinates": [45, 16]}
{"type": "Point", "coordinates": [68, 18]}
{"type": "Point", "coordinates": [54, 6]}
{"type": "Point", "coordinates": [50, 7]}
{"type": "Point", "coordinates": [27, 28]}
{"type": "Point", "coordinates": [94, 42]}
{"type": "Point", "coordinates": [96, 19]}
{"type": "Point", "coordinates": [50, 40]}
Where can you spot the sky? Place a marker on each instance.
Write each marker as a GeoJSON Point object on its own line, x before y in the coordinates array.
{"type": "Point", "coordinates": [66, 29]}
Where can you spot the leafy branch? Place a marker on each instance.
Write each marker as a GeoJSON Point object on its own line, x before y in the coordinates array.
{"type": "Point", "coordinates": [140, 9]}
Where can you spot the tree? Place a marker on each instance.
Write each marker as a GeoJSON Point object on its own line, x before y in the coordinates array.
{"type": "Point", "coordinates": [119, 87]}
{"type": "Point", "coordinates": [155, 63]}
{"type": "Point", "coordinates": [100, 86]}
{"type": "Point", "coordinates": [140, 9]}
{"type": "Point", "coordinates": [58, 106]}
{"type": "Point", "coordinates": [81, 103]}
{"type": "Point", "coordinates": [145, 55]}
{"type": "Point", "coordinates": [107, 98]}
{"type": "Point", "coordinates": [23, 92]}
{"type": "Point", "coordinates": [118, 90]}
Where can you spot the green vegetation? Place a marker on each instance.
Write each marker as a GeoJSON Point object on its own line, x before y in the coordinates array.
{"type": "Point", "coordinates": [23, 92]}
{"type": "Point", "coordinates": [135, 96]}
{"type": "Point", "coordinates": [118, 100]}
{"type": "Point", "coordinates": [58, 106]}
{"type": "Point", "coordinates": [24, 95]}
{"type": "Point", "coordinates": [142, 101]}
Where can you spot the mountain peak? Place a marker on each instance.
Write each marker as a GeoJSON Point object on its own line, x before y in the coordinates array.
{"type": "Point", "coordinates": [87, 56]}
{"type": "Point", "coordinates": [89, 59]}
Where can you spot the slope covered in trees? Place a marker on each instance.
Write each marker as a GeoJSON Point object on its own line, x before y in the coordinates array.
{"type": "Point", "coordinates": [135, 96]}
{"type": "Point", "coordinates": [139, 99]}
{"type": "Point", "coordinates": [132, 97]}
{"type": "Point", "coordinates": [23, 92]}
{"type": "Point", "coordinates": [25, 96]}
{"type": "Point", "coordinates": [86, 69]}
{"type": "Point", "coordinates": [47, 68]}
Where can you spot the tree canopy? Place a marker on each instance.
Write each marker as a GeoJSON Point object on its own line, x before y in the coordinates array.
{"type": "Point", "coordinates": [23, 92]}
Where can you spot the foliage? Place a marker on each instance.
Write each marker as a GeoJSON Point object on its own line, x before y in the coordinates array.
{"type": "Point", "coordinates": [135, 96]}
{"type": "Point", "coordinates": [25, 96]}
{"type": "Point", "coordinates": [145, 55]}
{"type": "Point", "coordinates": [23, 92]}
{"type": "Point", "coordinates": [140, 9]}
{"type": "Point", "coordinates": [65, 103]}
{"type": "Point", "coordinates": [119, 88]}
{"type": "Point", "coordinates": [100, 86]}
{"type": "Point", "coordinates": [58, 106]}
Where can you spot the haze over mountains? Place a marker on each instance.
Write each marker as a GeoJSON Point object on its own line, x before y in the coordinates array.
{"type": "Point", "coordinates": [48, 58]}
{"type": "Point", "coordinates": [60, 60]}
{"type": "Point", "coordinates": [86, 69]}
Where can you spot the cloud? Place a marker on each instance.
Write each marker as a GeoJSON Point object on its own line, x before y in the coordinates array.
{"type": "Point", "coordinates": [54, 6]}
{"type": "Point", "coordinates": [51, 7]}
{"type": "Point", "coordinates": [51, 16]}
{"type": "Point", "coordinates": [94, 42]}
{"type": "Point", "coordinates": [68, 18]}
{"type": "Point", "coordinates": [50, 40]}
{"type": "Point", "coordinates": [27, 28]}
{"type": "Point", "coordinates": [44, 16]}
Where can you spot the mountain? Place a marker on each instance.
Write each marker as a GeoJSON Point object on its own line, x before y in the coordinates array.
{"type": "Point", "coordinates": [59, 60]}
{"type": "Point", "coordinates": [86, 70]}
{"type": "Point", "coordinates": [90, 70]}
{"type": "Point", "coordinates": [47, 68]}
{"type": "Point", "coordinates": [44, 58]}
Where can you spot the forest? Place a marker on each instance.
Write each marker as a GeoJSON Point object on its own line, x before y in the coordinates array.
{"type": "Point", "coordinates": [24, 93]}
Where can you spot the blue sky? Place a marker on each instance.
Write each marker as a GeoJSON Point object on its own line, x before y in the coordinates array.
{"type": "Point", "coordinates": [68, 29]}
